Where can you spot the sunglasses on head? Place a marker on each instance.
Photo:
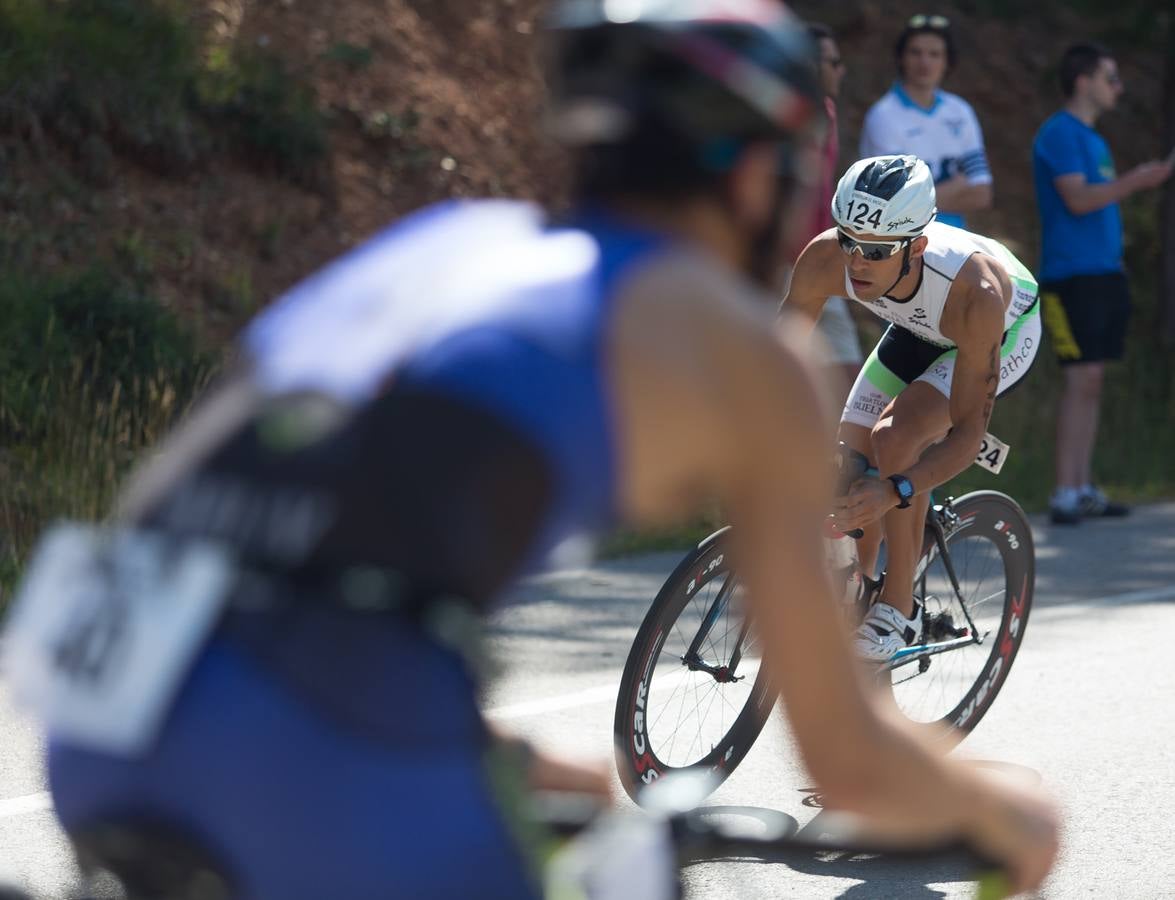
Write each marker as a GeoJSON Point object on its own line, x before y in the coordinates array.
{"type": "Point", "coordinates": [924, 21]}
{"type": "Point", "coordinates": [873, 251]}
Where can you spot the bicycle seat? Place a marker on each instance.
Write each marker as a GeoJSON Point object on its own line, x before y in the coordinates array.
{"type": "Point", "coordinates": [152, 861]}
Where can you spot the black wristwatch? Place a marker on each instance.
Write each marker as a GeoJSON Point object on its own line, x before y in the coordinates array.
{"type": "Point", "coordinates": [905, 489]}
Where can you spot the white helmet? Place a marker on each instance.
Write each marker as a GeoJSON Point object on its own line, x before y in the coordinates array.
{"type": "Point", "coordinates": [885, 195]}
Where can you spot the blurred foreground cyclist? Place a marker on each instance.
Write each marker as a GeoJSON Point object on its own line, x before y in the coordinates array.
{"type": "Point", "coordinates": [263, 668]}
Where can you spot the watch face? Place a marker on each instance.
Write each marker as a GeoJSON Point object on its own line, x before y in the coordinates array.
{"type": "Point", "coordinates": [904, 488]}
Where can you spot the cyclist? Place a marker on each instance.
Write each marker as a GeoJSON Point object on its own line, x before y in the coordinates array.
{"type": "Point", "coordinates": [437, 412]}
{"type": "Point", "coordinates": [965, 327]}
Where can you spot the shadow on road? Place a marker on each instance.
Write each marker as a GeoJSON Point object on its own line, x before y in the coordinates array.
{"type": "Point", "coordinates": [902, 875]}
{"type": "Point", "coordinates": [1104, 559]}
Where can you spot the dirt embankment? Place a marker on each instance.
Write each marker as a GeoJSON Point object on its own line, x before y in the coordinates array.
{"type": "Point", "coordinates": [433, 98]}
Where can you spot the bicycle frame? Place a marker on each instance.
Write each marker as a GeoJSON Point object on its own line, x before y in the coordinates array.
{"type": "Point", "coordinates": [941, 520]}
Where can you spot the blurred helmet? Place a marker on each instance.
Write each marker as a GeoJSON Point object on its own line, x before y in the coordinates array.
{"type": "Point", "coordinates": [714, 73]}
{"type": "Point", "coordinates": [885, 195]}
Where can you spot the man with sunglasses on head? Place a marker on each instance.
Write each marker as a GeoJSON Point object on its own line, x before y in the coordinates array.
{"type": "Point", "coordinates": [917, 117]}
{"type": "Point", "coordinates": [1084, 290]}
{"type": "Point", "coordinates": [965, 327]}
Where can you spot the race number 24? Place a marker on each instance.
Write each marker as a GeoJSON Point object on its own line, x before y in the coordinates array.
{"type": "Point", "coordinates": [993, 453]}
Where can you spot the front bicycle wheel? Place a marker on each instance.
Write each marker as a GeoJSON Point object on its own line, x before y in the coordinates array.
{"type": "Point", "coordinates": [981, 614]}
{"type": "Point", "coordinates": [694, 694]}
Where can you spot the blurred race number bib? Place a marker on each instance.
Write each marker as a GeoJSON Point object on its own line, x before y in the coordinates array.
{"type": "Point", "coordinates": [993, 453]}
{"type": "Point", "coordinates": [106, 625]}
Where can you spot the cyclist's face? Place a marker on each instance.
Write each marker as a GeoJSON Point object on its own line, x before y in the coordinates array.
{"type": "Point", "coordinates": [872, 278]}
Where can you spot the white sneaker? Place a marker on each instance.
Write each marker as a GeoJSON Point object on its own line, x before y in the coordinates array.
{"type": "Point", "coordinates": [885, 631]}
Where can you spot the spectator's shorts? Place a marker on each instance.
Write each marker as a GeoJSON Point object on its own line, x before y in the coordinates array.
{"type": "Point", "coordinates": [1086, 316]}
{"type": "Point", "coordinates": [839, 331]}
{"type": "Point", "coordinates": [901, 358]}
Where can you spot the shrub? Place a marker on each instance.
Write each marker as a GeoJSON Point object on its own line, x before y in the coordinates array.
{"type": "Point", "coordinates": [90, 373]}
{"type": "Point", "coordinates": [135, 73]}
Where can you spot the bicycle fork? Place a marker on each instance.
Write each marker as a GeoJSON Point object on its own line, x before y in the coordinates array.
{"type": "Point", "coordinates": [692, 659]}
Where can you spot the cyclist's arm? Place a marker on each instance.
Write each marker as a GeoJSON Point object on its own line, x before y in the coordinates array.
{"type": "Point", "coordinates": [813, 280]}
{"type": "Point", "coordinates": [977, 330]}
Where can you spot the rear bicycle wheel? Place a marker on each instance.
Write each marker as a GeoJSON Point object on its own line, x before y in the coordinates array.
{"type": "Point", "coordinates": [990, 547]}
{"type": "Point", "coordinates": [694, 694]}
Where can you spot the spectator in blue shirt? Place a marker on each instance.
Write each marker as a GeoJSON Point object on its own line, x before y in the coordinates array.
{"type": "Point", "coordinates": [1082, 283]}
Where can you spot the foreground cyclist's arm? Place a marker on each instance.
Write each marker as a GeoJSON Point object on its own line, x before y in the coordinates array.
{"type": "Point", "coordinates": [751, 422]}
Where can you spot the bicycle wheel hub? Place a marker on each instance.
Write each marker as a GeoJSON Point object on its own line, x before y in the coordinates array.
{"type": "Point", "coordinates": [721, 674]}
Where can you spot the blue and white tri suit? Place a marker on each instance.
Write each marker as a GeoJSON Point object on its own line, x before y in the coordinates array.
{"type": "Point", "coordinates": [465, 344]}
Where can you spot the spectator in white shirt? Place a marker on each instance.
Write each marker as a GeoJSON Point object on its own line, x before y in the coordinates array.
{"type": "Point", "coordinates": [917, 117]}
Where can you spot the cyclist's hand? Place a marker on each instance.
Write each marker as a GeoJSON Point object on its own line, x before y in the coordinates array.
{"type": "Point", "coordinates": [867, 501]}
{"type": "Point", "coordinates": [551, 772]}
{"type": "Point", "coordinates": [1019, 826]}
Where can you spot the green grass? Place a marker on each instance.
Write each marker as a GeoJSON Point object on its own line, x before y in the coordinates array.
{"type": "Point", "coordinates": [92, 373]}
{"type": "Point", "coordinates": [627, 541]}
{"type": "Point", "coordinates": [137, 75]}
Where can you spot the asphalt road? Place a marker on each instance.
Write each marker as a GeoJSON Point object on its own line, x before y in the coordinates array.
{"type": "Point", "coordinates": [1088, 709]}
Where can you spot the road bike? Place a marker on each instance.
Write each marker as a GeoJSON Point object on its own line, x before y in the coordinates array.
{"type": "Point", "coordinates": [694, 694]}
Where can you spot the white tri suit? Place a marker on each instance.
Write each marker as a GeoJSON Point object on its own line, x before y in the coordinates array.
{"type": "Point", "coordinates": [914, 348]}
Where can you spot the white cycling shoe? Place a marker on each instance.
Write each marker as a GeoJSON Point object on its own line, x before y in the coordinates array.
{"type": "Point", "coordinates": [885, 631]}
